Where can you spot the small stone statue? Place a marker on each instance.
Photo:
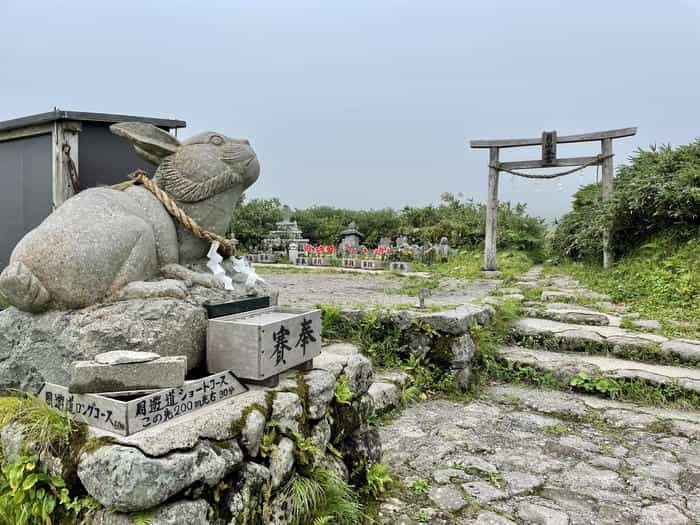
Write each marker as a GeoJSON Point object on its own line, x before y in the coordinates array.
{"type": "Point", "coordinates": [103, 239]}
{"type": "Point", "coordinates": [293, 252]}
{"type": "Point", "coordinates": [422, 295]}
{"type": "Point", "coordinates": [443, 249]}
{"type": "Point", "coordinates": [428, 253]}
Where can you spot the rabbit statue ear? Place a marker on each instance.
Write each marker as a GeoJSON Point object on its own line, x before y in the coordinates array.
{"type": "Point", "coordinates": [150, 142]}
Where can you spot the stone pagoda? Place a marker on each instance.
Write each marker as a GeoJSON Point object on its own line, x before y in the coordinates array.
{"type": "Point", "coordinates": [286, 232]}
{"type": "Point", "coordinates": [350, 237]}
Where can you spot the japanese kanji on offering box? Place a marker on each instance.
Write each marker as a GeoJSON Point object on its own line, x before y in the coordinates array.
{"type": "Point", "coordinates": [261, 344]}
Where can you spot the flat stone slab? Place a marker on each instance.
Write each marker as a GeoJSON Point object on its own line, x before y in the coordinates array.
{"type": "Point", "coordinates": [212, 422]}
{"type": "Point", "coordinates": [647, 324]}
{"type": "Point", "coordinates": [574, 405]}
{"type": "Point", "coordinates": [576, 337]}
{"type": "Point", "coordinates": [569, 313]}
{"type": "Point", "coordinates": [508, 291]}
{"type": "Point", "coordinates": [459, 320]}
{"type": "Point", "coordinates": [688, 349]}
{"type": "Point", "coordinates": [533, 326]}
{"type": "Point", "coordinates": [91, 377]}
{"type": "Point", "coordinates": [611, 339]}
{"type": "Point", "coordinates": [567, 365]}
{"type": "Point", "coordinates": [122, 357]}
{"type": "Point", "coordinates": [558, 295]}
{"type": "Point", "coordinates": [573, 294]}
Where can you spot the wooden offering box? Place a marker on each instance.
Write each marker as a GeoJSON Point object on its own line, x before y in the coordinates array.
{"type": "Point", "coordinates": [261, 344]}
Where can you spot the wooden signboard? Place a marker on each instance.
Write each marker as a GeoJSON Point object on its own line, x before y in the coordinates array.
{"type": "Point", "coordinates": [128, 417]}
{"type": "Point", "coordinates": [549, 148]}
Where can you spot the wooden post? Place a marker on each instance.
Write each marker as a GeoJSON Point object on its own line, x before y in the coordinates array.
{"type": "Point", "coordinates": [491, 213]}
{"type": "Point", "coordinates": [64, 132]}
{"type": "Point", "coordinates": [607, 189]}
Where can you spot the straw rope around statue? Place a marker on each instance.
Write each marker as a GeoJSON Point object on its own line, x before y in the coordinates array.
{"type": "Point", "coordinates": [227, 247]}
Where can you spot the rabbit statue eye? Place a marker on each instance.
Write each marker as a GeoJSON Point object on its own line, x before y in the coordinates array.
{"type": "Point", "coordinates": [216, 140]}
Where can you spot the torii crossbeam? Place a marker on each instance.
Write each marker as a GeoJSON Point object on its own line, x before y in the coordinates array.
{"type": "Point", "coordinates": [548, 141]}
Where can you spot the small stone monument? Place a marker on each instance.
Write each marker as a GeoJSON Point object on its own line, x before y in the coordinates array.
{"type": "Point", "coordinates": [443, 249]}
{"type": "Point", "coordinates": [428, 253]}
{"type": "Point", "coordinates": [293, 252]}
{"type": "Point", "coordinates": [350, 238]}
{"type": "Point", "coordinates": [422, 295]}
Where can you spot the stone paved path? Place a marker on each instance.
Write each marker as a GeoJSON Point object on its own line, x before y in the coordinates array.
{"type": "Point", "coordinates": [526, 456]}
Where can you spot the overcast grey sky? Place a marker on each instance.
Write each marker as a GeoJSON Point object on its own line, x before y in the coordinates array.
{"type": "Point", "coordinates": [369, 103]}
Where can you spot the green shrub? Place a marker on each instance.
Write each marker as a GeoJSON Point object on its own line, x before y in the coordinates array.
{"type": "Point", "coordinates": [660, 279]}
{"type": "Point", "coordinates": [658, 191]}
{"type": "Point", "coordinates": [378, 480]}
{"type": "Point", "coordinates": [321, 497]}
{"type": "Point", "coordinates": [29, 494]}
{"type": "Point", "coordinates": [45, 428]}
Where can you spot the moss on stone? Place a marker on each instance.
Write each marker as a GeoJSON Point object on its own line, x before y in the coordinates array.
{"type": "Point", "coordinates": [237, 425]}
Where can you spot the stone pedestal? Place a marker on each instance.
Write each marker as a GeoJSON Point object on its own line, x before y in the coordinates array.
{"type": "Point", "coordinates": [39, 348]}
{"type": "Point", "coordinates": [229, 448]}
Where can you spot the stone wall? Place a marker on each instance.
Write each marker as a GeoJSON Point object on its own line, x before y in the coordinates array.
{"type": "Point", "coordinates": [229, 463]}
{"type": "Point", "coordinates": [441, 339]}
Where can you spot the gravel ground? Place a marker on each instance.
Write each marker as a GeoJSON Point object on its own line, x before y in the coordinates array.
{"type": "Point", "coordinates": [356, 290]}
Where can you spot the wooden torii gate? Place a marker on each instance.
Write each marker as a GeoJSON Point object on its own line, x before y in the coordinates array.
{"type": "Point", "coordinates": [548, 141]}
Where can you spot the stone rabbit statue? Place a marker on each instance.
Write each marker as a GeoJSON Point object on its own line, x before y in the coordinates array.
{"type": "Point", "coordinates": [104, 238]}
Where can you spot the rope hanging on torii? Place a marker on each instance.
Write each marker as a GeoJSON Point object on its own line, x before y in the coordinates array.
{"type": "Point", "coordinates": [596, 161]}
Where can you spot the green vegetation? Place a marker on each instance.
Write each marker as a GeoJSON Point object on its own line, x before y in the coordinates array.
{"type": "Point", "coordinates": [488, 367]}
{"type": "Point", "coordinates": [654, 214]}
{"type": "Point", "coordinates": [29, 493]}
{"type": "Point", "coordinates": [658, 191]}
{"type": "Point", "coordinates": [343, 394]}
{"type": "Point", "coordinates": [45, 428]}
{"type": "Point", "coordinates": [321, 497]}
{"type": "Point", "coordinates": [377, 480]}
{"type": "Point", "coordinates": [421, 486]}
{"type": "Point", "coordinates": [607, 386]}
{"type": "Point", "coordinates": [660, 280]}
{"type": "Point", "coordinates": [462, 222]}
{"type": "Point", "coordinates": [558, 429]}
{"type": "Point", "coordinates": [466, 264]}
{"type": "Point", "coordinates": [378, 336]}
